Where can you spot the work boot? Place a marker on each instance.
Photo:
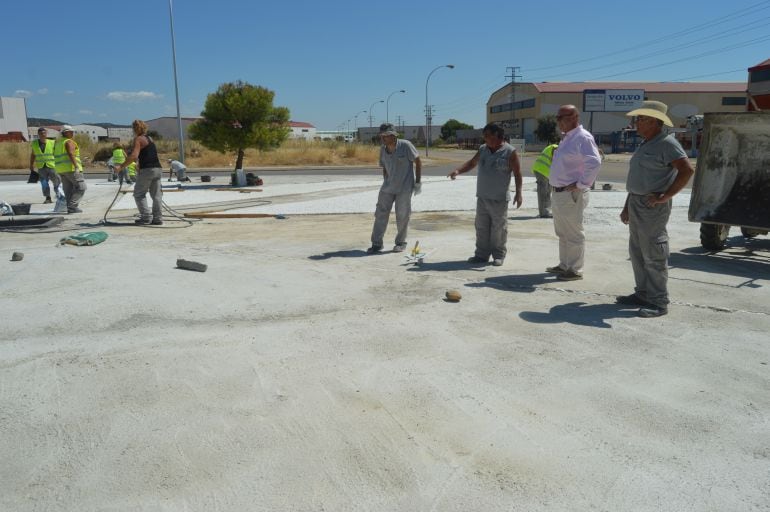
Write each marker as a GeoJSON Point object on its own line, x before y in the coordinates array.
{"type": "Point", "coordinates": [47, 200]}
{"type": "Point", "coordinates": [554, 270]}
{"type": "Point", "coordinates": [399, 248]}
{"type": "Point", "coordinates": [631, 300]}
{"type": "Point", "coordinates": [156, 222]}
{"type": "Point", "coordinates": [142, 222]}
{"type": "Point", "coordinates": [652, 311]}
{"type": "Point", "coordinates": [74, 210]}
{"type": "Point", "coordinates": [476, 259]}
{"type": "Point", "coordinates": [569, 275]}
{"type": "Point", "coordinates": [374, 249]}
{"type": "Point", "coordinates": [498, 262]}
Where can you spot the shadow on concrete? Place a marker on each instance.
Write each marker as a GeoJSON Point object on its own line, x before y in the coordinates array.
{"type": "Point", "coordinates": [446, 266]}
{"type": "Point", "coordinates": [353, 253]}
{"type": "Point", "coordinates": [525, 283]}
{"type": "Point", "coordinates": [750, 262]}
{"type": "Point", "coordinates": [579, 313]}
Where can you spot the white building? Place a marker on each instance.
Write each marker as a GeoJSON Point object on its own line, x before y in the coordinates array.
{"type": "Point", "coordinates": [95, 133]}
{"type": "Point", "coordinates": [168, 127]}
{"type": "Point", "coordinates": [122, 133]}
{"type": "Point", "coordinates": [300, 130]}
{"type": "Point", "coordinates": [53, 132]}
{"type": "Point", "coordinates": [414, 133]}
{"type": "Point", "coordinates": [13, 119]}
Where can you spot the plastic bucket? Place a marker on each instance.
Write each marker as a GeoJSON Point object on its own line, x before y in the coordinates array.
{"type": "Point", "coordinates": [21, 208]}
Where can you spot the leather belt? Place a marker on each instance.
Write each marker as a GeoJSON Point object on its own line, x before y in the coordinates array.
{"type": "Point", "coordinates": [559, 189]}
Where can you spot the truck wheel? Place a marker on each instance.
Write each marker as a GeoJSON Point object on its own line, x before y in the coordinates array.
{"type": "Point", "coordinates": [749, 233]}
{"type": "Point", "coordinates": [713, 236]}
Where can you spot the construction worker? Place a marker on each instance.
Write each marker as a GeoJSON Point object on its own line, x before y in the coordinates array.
{"type": "Point", "coordinates": [177, 168]}
{"type": "Point", "coordinates": [66, 154]}
{"type": "Point", "coordinates": [118, 157]}
{"type": "Point", "coordinates": [541, 169]}
{"type": "Point", "coordinates": [42, 155]}
{"type": "Point", "coordinates": [130, 171]}
{"type": "Point", "coordinates": [150, 174]}
{"type": "Point", "coordinates": [401, 178]}
{"type": "Point", "coordinates": [658, 170]}
{"type": "Point", "coordinates": [497, 162]}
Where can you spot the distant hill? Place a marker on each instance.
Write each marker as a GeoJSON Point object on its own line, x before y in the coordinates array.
{"type": "Point", "coordinates": [41, 121]}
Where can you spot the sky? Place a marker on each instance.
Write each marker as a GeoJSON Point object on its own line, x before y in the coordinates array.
{"type": "Point", "coordinates": [327, 61]}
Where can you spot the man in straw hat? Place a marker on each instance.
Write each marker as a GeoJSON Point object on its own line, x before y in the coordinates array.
{"type": "Point", "coordinates": [658, 170]}
{"type": "Point", "coordinates": [401, 172]}
{"type": "Point", "coordinates": [574, 169]}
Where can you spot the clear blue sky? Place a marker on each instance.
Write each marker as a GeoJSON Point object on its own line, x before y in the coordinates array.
{"type": "Point", "coordinates": [106, 61]}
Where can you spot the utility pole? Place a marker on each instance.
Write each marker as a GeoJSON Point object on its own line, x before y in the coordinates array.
{"type": "Point", "coordinates": [513, 76]}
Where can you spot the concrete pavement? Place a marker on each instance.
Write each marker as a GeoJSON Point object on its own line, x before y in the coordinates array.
{"type": "Point", "coordinates": [297, 373]}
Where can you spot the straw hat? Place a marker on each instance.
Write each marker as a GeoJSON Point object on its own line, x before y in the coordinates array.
{"type": "Point", "coordinates": [654, 109]}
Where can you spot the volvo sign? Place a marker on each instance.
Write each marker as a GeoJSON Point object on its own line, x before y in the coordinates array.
{"type": "Point", "coordinates": [612, 100]}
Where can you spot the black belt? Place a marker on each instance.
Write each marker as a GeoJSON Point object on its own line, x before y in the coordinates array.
{"type": "Point", "coordinates": [559, 189]}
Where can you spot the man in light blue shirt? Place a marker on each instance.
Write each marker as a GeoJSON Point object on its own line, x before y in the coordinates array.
{"type": "Point", "coordinates": [573, 171]}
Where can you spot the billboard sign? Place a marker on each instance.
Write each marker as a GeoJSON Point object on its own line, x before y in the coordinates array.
{"type": "Point", "coordinates": [612, 100]}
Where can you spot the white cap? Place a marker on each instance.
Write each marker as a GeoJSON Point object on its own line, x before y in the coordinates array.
{"type": "Point", "coordinates": [67, 128]}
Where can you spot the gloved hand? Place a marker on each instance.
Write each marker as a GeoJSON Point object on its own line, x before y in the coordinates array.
{"type": "Point", "coordinates": [417, 189]}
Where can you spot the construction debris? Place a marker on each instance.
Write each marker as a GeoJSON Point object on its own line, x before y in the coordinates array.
{"type": "Point", "coordinates": [191, 265]}
{"type": "Point", "coordinates": [17, 256]}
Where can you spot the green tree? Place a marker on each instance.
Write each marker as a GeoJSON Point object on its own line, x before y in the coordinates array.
{"type": "Point", "coordinates": [449, 128]}
{"type": "Point", "coordinates": [239, 116]}
{"type": "Point", "coordinates": [547, 130]}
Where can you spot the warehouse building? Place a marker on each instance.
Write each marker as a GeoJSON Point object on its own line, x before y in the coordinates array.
{"type": "Point", "coordinates": [603, 105]}
{"type": "Point", "coordinates": [13, 119]}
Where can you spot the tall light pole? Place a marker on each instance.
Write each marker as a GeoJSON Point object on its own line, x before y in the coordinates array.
{"type": "Point", "coordinates": [428, 117]}
{"type": "Point", "coordinates": [387, 110]}
{"type": "Point", "coordinates": [355, 122]}
{"type": "Point", "coordinates": [176, 84]}
{"type": "Point", "coordinates": [371, 114]}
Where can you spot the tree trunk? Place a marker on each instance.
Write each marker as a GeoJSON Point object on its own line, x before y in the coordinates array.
{"type": "Point", "coordinates": [239, 161]}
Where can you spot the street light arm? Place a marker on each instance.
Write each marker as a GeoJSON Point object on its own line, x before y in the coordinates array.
{"type": "Point", "coordinates": [371, 116]}
{"type": "Point", "coordinates": [387, 106]}
{"type": "Point", "coordinates": [427, 108]}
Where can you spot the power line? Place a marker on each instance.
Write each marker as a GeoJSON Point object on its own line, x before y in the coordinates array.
{"type": "Point", "coordinates": [693, 57]}
{"type": "Point", "coordinates": [762, 23]}
{"type": "Point", "coordinates": [721, 20]}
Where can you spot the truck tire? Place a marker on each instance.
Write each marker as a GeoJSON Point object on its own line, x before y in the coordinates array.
{"type": "Point", "coordinates": [713, 236]}
{"type": "Point", "coordinates": [750, 233]}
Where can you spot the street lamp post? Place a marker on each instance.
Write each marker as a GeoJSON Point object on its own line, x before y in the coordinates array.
{"type": "Point", "coordinates": [387, 109]}
{"type": "Point", "coordinates": [428, 117]}
{"type": "Point", "coordinates": [371, 114]}
{"type": "Point", "coordinates": [176, 83]}
{"type": "Point", "coordinates": [355, 122]}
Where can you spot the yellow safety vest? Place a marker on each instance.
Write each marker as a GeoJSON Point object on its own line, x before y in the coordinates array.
{"type": "Point", "coordinates": [62, 162]}
{"type": "Point", "coordinates": [43, 158]}
{"type": "Point", "coordinates": [543, 162]}
{"type": "Point", "coordinates": [118, 156]}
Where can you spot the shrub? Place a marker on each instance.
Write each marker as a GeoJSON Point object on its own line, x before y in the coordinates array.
{"type": "Point", "coordinates": [102, 154]}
